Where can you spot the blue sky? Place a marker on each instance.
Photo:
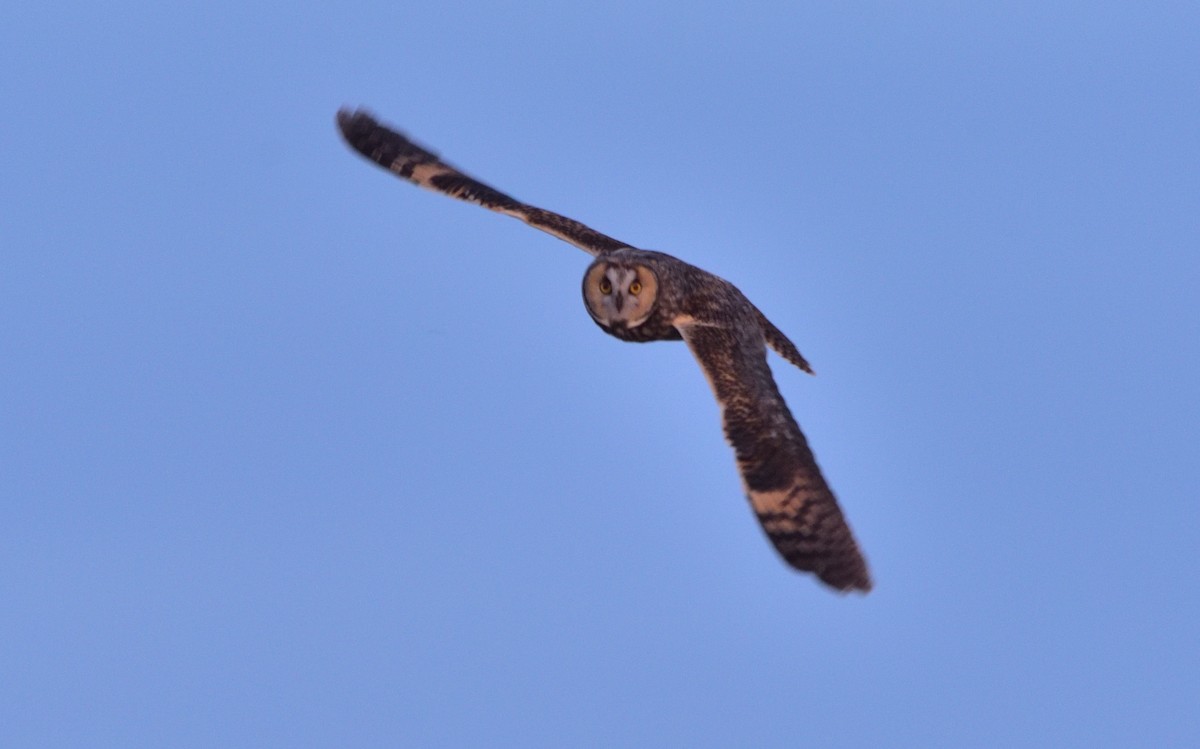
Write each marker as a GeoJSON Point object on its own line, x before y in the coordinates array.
{"type": "Point", "coordinates": [295, 454]}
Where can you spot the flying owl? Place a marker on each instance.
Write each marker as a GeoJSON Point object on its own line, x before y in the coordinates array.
{"type": "Point", "coordinates": [640, 295]}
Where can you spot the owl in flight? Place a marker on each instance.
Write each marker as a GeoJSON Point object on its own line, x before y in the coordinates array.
{"type": "Point", "coordinates": [640, 295]}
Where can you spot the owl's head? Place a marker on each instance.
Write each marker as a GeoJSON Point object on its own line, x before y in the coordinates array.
{"type": "Point", "coordinates": [619, 295]}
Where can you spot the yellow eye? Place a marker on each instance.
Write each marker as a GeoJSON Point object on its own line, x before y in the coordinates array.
{"type": "Point", "coordinates": [635, 287]}
{"type": "Point", "coordinates": [605, 286]}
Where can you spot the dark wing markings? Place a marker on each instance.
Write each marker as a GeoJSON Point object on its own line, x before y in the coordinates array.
{"type": "Point", "coordinates": [785, 487]}
{"type": "Point", "coordinates": [396, 153]}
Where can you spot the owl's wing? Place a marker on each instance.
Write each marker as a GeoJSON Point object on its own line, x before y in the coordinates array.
{"type": "Point", "coordinates": [783, 483]}
{"type": "Point", "coordinates": [396, 153]}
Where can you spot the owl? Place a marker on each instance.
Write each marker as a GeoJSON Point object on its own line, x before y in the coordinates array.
{"type": "Point", "coordinates": [640, 295]}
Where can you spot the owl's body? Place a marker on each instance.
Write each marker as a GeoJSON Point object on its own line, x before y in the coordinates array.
{"type": "Point", "coordinates": [642, 296]}
{"type": "Point", "coordinates": [688, 292]}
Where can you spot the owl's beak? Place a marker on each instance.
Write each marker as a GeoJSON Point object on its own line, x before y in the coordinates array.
{"type": "Point", "coordinates": [618, 300]}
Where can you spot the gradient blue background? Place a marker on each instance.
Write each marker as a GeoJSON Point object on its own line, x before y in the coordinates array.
{"type": "Point", "coordinates": [295, 454]}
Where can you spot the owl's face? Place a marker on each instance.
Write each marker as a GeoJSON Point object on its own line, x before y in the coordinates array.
{"type": "Point", "coordinates": [619, 296]}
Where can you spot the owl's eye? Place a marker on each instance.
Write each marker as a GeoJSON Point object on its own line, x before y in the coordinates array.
{"type": "Point", "coordinates": [605, 286]}
{"type": "Point", "coordinates": [635, 287]}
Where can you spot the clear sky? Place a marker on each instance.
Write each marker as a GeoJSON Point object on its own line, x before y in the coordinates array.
{"type": "Point", "coordinates": [295, 454]}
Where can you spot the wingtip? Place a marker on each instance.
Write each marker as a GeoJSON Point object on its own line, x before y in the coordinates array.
{"type": "Point", "coordinates": [858, 588]}
{"type": "Point", "coordinates": [854, 578]}
{"type": "Point", "coordinates": [861, 585]}
{"type": "Point", "coordinates": [352, 120]}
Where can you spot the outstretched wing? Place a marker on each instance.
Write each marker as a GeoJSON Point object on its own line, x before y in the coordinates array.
{"type": "Point", "coordinates": [396, 153]}
{"type": "Point", "coordinates": [783, 483]}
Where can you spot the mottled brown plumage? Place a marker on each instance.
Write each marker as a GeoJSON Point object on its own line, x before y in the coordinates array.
{"type": "Point", "coordinates": [640, 295]}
